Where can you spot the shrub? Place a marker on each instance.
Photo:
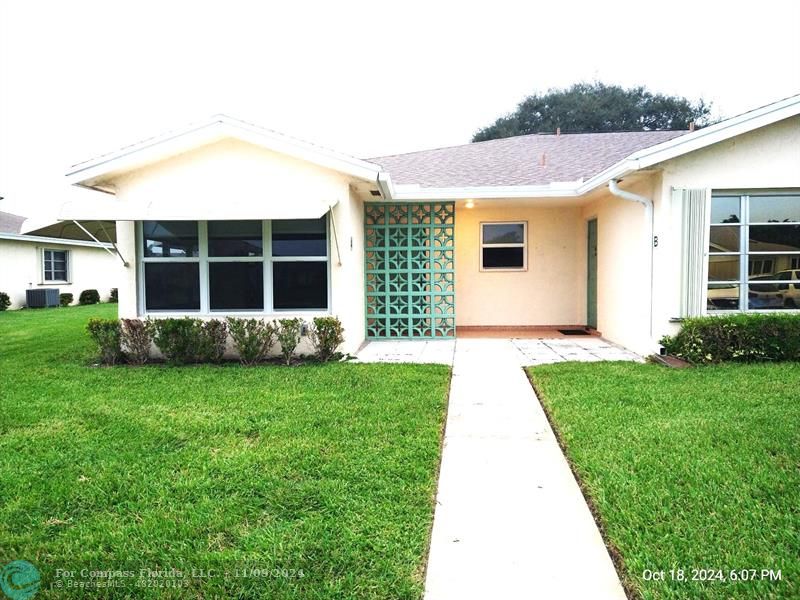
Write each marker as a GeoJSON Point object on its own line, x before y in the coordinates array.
{"type": "Point", "coordinates": [327, 334]}
{"type": "Point", "coordinates": [289, 332]}
{"type": "Point", "coordinates": [114, 296]}
{"type": "Point", "coordinates": [213, 337]}
{"type": "Point", "coordinates": [106, 335]}
{"type": "Point", "coordinates": [252, 338]}
{"type": "Point", "coordinates": [5, 301]}
{"type": "Point", "coordinates": [89, 297]}
{"type": "Point", "coordinates": [65, 299]}
{"type": "Point", "coordinates": [136, 336]}
{"type": "Point", "coordinates": [178, 339]}
{"type": "Point", "coordinates": [740, 338]}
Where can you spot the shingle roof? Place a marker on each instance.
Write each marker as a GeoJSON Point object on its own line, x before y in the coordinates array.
{"type": "Point", "coordinates": [518, 160]}
{"type": "Point", "coordinates": [10, 223]}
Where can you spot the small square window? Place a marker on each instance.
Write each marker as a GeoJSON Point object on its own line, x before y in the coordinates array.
{"type": "Point", "coordinates": [55, 265]}
{"type": "Point", "coordinates": [504, 246]}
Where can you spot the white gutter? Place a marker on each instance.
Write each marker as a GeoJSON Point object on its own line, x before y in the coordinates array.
{"type": "Point", "coordinates": [649, 231]}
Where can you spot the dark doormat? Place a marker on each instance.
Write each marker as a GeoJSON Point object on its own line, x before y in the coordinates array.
{"type": "Point", "coordinates": [573, 332]}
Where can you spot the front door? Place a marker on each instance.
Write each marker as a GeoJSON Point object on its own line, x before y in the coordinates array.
{"type": "Point", "coordinates": [591, 277]}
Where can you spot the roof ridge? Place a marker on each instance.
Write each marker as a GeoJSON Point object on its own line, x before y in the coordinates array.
{"type": "Point", "coordinates": [525, 135]}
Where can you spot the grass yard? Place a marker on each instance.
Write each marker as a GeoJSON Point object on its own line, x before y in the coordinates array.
{"type": "Point", "coordinates": [688, 469]}
{"type": "Point", "coordinates": [270, 482]}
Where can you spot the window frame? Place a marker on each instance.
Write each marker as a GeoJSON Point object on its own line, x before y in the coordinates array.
{"type": "Point", "coordinates": [743, 253]}
{"type": "Point", "coordinates": [523, 245]}
{"type": "Point", "coordinates": [203, 259]}
{"type": "Point", "coordinates": [67, 266]}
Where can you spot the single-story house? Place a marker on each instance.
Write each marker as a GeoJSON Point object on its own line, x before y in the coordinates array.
{"type": "Point", "coordinates": [52, 261]}
{"type": "Point", "coordinates": [624, 233]}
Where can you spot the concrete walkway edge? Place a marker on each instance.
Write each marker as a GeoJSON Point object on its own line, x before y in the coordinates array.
{"type": "Point", "coordinates": [510, 520]}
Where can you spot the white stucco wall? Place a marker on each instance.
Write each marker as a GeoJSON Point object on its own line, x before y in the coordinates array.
{"type": "Point", "coordinates": [21, 269]}
{"type": "Point", "coordinates": [623, 266]}
{"type": "Point", "coordinates": [550, 292]}
{"type": "Point", "coordinates": [767, 158]}
{"type": "Point", "coordinates": [236, 172]}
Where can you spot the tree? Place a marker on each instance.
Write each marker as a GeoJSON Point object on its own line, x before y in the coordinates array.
{"type": "Point", "coordinates": [597, 107]}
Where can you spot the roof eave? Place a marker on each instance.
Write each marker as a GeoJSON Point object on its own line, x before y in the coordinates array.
{"type": "Point", "coordinates": [21, 237]}
{"type": "Point", "coordinates": [88, 174]}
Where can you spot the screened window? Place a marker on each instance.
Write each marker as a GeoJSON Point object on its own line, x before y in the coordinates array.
{"type": "Point", "coordinates": [54, 265]}
{"type": "Point", "coordinates": [300, 264]}
{"type": "Point", "coordinates": [504, 246]}
{"type": "Point", "coordinates": [754, 243]}
{"type": "Point", "coordinates": [230, 266]}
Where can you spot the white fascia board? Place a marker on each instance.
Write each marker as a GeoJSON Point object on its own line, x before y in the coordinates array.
{"type": "Point", "coordinates": [51, 240]}
{"type": "Point", "coordinates": [719, 132]}
{"type": "Point", "coordinates": [488, 192]}
{"type": "Point", "coordinates": [218, 128]}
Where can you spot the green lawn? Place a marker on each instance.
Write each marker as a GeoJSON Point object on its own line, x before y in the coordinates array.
{"type": "Point", "coordinates": [269, 482]}
{"type": "Point", "coordinates": [688, 469]}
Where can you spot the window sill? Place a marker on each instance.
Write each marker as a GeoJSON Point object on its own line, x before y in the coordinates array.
{"type": "Point", "coordinates": [252, 314]}
{"type": "Point", "coordinates": [504, 270]}
{"type": "Point", "coordinates": [44, 283]}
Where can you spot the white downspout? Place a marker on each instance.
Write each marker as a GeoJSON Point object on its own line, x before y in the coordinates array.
{"type": "Point", "coordinates": [649, 217]}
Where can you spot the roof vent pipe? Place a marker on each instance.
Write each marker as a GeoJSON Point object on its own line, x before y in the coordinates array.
{"type": "Point", "coordinates": [649, 230]}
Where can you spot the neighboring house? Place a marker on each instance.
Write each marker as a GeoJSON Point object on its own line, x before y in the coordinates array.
{"type": "Point", "coordinates": [621, 232]}
{"type": "Point", "coordinates": [33, 262]}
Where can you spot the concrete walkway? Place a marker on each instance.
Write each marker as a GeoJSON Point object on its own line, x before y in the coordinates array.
{"type": "Point", "coordinates": [529, 351]}
{"type": "Point", "coordinates": [510, 520]}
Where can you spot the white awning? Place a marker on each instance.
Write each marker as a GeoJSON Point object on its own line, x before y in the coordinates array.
{"type": "Point", "coordinates": [193, 210]}
{"type": "Point", "coordinates": [104, 231]}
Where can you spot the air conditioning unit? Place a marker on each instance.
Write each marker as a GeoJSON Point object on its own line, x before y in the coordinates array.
{"type": "Point", "coordinates": [41, 297]}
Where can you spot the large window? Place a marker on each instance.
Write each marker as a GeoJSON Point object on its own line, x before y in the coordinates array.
{"type": "Point", "coordinates": [235, 266]}
{"type": "Point", "coordinates": [754, 247]}
{"type": "Point", "coordinates": [504, 246]}
{"type": "Point", "coordinates": [55, 265]}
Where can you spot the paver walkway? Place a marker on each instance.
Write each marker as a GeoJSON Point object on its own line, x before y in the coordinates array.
{"type": "Point", "coordinates": [510, 520]}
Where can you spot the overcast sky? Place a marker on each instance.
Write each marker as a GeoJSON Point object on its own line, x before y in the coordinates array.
{"type": "Point", "coordinates": [79, 78]}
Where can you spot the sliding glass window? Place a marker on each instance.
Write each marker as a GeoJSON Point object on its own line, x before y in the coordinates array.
{"type": "Point", "coordinates": [754, 252]}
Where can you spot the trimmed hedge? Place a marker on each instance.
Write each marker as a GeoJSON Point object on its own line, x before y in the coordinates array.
{"type": "Point", "coordinates": [737, 338]}
{"type": "Point", "coordinates": [252, 338]}
{"type": "Point", "coordinates": [89, 297]}
{"type": "Point", "coordinates": [106, 335]}
{"type": "Point", "coordinates": [327, 334]}
{"type": "Point", "coordinates": [65, 299]}
{"type": "Point", "coordinates": [5, 301]}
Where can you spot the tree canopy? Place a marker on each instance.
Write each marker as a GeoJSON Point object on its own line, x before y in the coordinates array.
{"type": "Point", "coordinates": [597, 107]}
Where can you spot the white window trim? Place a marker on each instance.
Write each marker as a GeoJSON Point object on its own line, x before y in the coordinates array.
{"type": "Point", "coordinates": [523, 245]}
{"type": "Point", "coordinates": [743, 253]}
{"type": "Point", "coordinates": [205, 293]}
{"type": "Point", "coordinates": [43, 271]}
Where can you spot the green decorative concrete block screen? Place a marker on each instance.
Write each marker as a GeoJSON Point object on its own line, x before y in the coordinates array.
{"type": "Point", "coordinates": [410, 270]}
